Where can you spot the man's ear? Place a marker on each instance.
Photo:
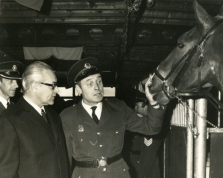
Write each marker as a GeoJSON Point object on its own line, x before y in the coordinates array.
{"type": "Point", "coordinates": [34, 87]}
{"type": "Point", "coordinates": [78, 90]}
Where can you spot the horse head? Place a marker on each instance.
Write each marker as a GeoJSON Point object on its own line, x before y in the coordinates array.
{"type": "Point", "coordinates": [195, 62]}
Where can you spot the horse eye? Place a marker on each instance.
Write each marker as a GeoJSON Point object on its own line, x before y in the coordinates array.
{"type": "Point", "coordinates": [180, 45]}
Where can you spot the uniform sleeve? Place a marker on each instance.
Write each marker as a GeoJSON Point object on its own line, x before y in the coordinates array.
{"type": "Point", "coordinates": [9, 150]}
{"type": "Point", "coordinates": [68, 140]}
{"type": "Point", "coordinates": [148, 125]}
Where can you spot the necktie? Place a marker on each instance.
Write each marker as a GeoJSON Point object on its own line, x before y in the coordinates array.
{"type": "Point", "coordinates": [45, 117]}
{"type": "Point", "coordinates": [95, 118]}
{"type": "Point", "coordinates": [9, 104]}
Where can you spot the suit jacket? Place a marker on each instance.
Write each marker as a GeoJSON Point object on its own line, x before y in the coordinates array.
{"type": "Point", "coordinates": [87, 141]}
{"type": "Point", "coordinates": [28, 147]}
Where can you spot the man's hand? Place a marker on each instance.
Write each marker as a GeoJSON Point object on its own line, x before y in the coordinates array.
{"type": "Point", "coordinates": [147, 91]}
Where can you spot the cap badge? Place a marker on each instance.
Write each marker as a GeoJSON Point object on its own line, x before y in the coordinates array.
{"type": "Point", "coordinates": [14, 68]}
{"type": "Point", "coordinates": [87, 65]}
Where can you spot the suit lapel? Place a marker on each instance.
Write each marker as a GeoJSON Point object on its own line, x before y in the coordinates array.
{"type": "Point", "coordinates": [2, 108]}
{"type": "Point", "coordinates": [84, 116]}
{"type": "Point", "coordinates": [36, 117]}
{"type": "Point", "coordinates": [105, 115]}
{"type": "Point", "coordinates": [52, 119]}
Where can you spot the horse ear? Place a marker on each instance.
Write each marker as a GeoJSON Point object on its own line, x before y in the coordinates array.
{"type": "Point", "coordinates": [205, 21]}
{"type": "Point", "coordinates": [221, 11]}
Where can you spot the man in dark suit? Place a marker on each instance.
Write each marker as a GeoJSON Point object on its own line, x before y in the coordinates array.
{"type": "Point", "coordinates": [94, 128]}
{"type": "Point", "coordinates": [10, 72]}
{"type": "Point", "coordinates": [32, 140]}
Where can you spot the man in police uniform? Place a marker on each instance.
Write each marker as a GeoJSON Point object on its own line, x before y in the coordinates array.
{"type": "Point", "coordinates": [94, 128]}
{"type": "Point", "coordinates": [10, 72]}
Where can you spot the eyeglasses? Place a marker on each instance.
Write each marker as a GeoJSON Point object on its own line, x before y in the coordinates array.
{"type": "Point", "coordinates": [54, 85]}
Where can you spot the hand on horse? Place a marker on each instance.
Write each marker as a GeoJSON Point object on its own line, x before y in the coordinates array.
{"type": "Point", "coordinates": [149, 95]}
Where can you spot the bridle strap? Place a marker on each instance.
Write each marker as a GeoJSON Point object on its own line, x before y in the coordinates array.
{"type": "Point", "coordinates": [201, 57]}
{"type": "Point", "coordinates": [159, 75]}
{"type": "Point", "coordinates": [173, 69]}
{"type": "Point", "coordinates": [184, 68]}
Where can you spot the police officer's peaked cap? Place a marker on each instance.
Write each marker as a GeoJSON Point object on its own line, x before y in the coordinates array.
{"type": "Point", "coordinates": [10, 68]}
{"type": "Point", "coordinates": [82, 69]}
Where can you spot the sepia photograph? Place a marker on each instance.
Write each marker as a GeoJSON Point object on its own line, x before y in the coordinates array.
{"type": "Point", "coordinates": [111, 88]}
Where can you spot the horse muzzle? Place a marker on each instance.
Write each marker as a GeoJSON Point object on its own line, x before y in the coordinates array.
{"type": "Point", "coordinates": [161, 98]}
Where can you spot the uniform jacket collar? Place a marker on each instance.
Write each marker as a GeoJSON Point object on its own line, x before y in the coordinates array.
{"type": "Point", "coordinates": [105, 115]}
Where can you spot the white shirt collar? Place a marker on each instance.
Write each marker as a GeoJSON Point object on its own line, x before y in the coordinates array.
{"type": "Point", "coordinates": [4, 101]}
{"type": "Point", "coordinates": [89, 110]}
{"type": "Point", "coordinates": [37, 108]}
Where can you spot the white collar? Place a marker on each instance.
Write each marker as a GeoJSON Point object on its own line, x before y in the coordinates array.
{"type": "Point", "coordinates": [4, 101]}
{"type": "Point", "coordinates": [37, 108]}
{"type": "Point", "coordinates": [97, 111]}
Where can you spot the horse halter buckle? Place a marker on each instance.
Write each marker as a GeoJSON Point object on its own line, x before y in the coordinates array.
{"type": "Point", "coordinates": [168, 92]}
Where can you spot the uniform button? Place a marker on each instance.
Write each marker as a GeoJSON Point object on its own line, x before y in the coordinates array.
{"type": "Point", "coordinates": [104, 169]}
{"type": "Point", "coordinates": [123, 169]}
{"type": "Point", "coordinates": [100, 145]}
{"type": "Point", "coordinates": [116, 132]}
{"type": "Point", "coordinates": [99, 133]}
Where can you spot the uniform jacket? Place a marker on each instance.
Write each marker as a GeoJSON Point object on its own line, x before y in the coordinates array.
{"type": "Point", "coordinates": [28, 148]}
{"type": "Point", "coordinates": [87, 141]}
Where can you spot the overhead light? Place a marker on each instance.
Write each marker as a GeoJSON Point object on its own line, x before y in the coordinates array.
{"type": "Point", "coordinates": [150, 3]}
{"type": "Point", "coordinates": [72, 32]}
{"type": "Point", "coordinates": [96, 33]}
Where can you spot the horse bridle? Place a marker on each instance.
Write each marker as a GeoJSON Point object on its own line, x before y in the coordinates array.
{"type": "Point", "coordinates": [187, 59]}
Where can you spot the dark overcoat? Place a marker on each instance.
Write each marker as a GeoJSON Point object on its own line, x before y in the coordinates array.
{"type": "Point", "coordinates": [2, 108]}
{"type": "Point", "coordinates": [28, 147]}
{"type": "Point", "coordinates": [87, 141]}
